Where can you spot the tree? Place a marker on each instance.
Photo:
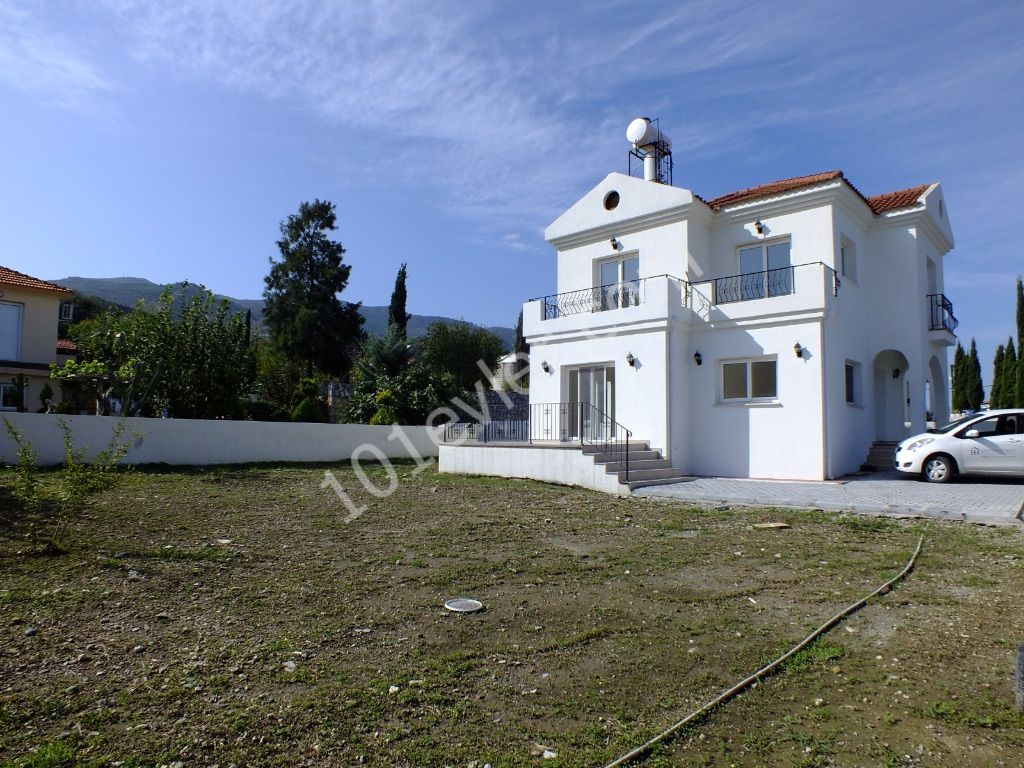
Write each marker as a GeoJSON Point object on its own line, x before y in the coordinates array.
{"type": "Point", "coordinates": [306, 319]}
{"type": "Point", "coordinates": [398, 318]}
{"type": "Point", "coordinates": [187, 358]}
{"type": "Point", "coordinates": [1008, 377]}
{"type": "Point", "coordinates": [995, 397]}
{"type": "Point", "coordinates": [520, 346]}
{"type": "Point", "coordinates": [459, 348]}
{"type": "Point", "coordinates": [1019, 383]}
{"type": "Point", "coordinates": [975, 387]}
{"type": "Point", "coordinates": [959, 379]}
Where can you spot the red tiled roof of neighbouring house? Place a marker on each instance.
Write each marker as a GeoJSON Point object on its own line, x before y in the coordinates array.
{"type": "Point", "coordinates": [66, 347]}
{"type": "Point", "coordinates": [13, 277]}
{"type": "Point", "coordinates": [774, 188]}
{"type": "Point", "coordinates": [891, 201]}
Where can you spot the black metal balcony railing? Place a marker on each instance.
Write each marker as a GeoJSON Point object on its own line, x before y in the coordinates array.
{"type": "Point", "coordinates": [754, 285]}
{"type": "Point", "coordinates": [599, 299]}
{"type": "Point", "coordinates": [941, 311]}
{"type": "Point", "coordinates": [550, 422]}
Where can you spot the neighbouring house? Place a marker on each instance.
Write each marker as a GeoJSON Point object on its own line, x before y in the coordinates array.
{"type": "Point", "coordinates": [30, 311]}
{"type": "Point", "coordinates": [775, 332]}
{"type": "Point", "coordinates": [505, 372]}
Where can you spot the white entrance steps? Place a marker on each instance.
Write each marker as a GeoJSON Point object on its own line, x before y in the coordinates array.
{"type": "Point", "coordinates": [881, 456]}
{"type": "Point", "coordinates": [646, 465]}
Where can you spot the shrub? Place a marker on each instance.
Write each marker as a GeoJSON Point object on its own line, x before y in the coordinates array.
{"type": "Point", "coordinates": [264, 410]}
{"type": "Point", "coordinates": [311, 409]}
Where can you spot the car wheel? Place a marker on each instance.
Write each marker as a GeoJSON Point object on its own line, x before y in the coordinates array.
{"type": "Point", "coordinates": [938, 469]}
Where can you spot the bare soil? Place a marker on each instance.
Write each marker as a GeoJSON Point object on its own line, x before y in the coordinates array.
{"type": "Point", "coordinates": [230, 616]}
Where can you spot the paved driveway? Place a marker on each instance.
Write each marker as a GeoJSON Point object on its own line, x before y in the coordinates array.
{"type": "Point", "coordinates": [980, 499]}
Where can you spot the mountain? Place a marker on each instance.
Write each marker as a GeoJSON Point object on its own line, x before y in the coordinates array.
{"type": "Point", "coordinates": [128, 291]}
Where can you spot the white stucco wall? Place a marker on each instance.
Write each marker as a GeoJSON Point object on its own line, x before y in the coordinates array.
{"type": "Point", "coordinates": [199, 442]}
{"type": "Point", "coordinates": [568, 466]}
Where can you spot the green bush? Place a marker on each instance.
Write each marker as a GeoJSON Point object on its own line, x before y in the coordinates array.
{"type": "Point", "coordinates": [264, 410]}
{"type": "Point", "coordinates": [311, 409]}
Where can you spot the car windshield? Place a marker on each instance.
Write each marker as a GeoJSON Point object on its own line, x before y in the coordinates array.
{"type": "Point", "coordinates": [952, 425]}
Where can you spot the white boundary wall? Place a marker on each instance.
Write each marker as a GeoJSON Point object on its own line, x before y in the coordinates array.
{"type": "Point", "coordinates": [201, 442]}
{"type": "Point", "coordinates": [565, 466]}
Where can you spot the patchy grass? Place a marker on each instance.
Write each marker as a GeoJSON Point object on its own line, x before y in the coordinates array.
{"type": "Point", "coordinates": [153, 641]}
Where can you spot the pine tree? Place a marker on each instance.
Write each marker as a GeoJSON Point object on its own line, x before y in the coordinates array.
{"type": "Point", "coordinates": [1019, 384]}
{"type": "Point", "coordinates": [398, 318]}
{"type": "Point", "coordinates": [1008, 382]}
{"type": "Point", "coordinates": [520, 347]}
{"type": "Point", "coordinates": [975, 386]}
{"type": "Point", "coordinates": [959, 376]}
{"type": "Point", "coordinates": [995, 397]}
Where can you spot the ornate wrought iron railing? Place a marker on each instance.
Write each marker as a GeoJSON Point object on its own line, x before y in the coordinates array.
{"type": "Point", "coordinates": [580, 423]}
{"type": "Point", "coordinates": [754, 285]}
{"type": "Point", "coordinates": [598, 299]}
{"type": "Point", "coordinates": [941, 311]}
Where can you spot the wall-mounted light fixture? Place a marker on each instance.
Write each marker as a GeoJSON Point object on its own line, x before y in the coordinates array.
{"type": "Point", "coordinates": [630, 360]}
{"type": "Point", "coordinates": [697, 358]}
{"type": "Point", "coordinates": [759, 227]}
{"type": "Point", "coordinates": [798, 349]}
{"type": "Point", "coordinates": [615, 243]}
{"type": "Point", "coordinates": [895, 373]}
{"type": "Point", "coordinates": [546, 367]}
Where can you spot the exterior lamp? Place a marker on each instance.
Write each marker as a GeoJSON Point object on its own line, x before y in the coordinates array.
{"type": "Point", "coordinates": [615, 243]}
{"type": "Point", "coordinates": [546, 367]}
{"type": "Point", "coordinates": [630, 360]}
{"type": "Point", "coordinates": [759, 227]}
{"type": "Point", "coordinates": [798, 349]}
{"type": "Point", "coordinates": [895, 373]}
{"type": "Point", "coordinates": [697, 358]}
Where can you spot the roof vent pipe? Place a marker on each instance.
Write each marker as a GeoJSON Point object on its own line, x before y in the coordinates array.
{"type": "Point", "coordinates": [652, 148]}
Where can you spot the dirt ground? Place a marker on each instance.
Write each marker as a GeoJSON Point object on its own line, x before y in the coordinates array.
{"type": "Point", "coordinates": [230, 617]}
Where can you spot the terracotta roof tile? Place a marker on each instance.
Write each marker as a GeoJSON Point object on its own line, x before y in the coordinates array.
{"type": "Point", "coordinates": [891, 201]}
{"type": "Point", "coordinates": [66, 347]}
{"type": "Point", "coordinates": [12, 277]}
{"type": "Point", "coordinates": [774, 188]}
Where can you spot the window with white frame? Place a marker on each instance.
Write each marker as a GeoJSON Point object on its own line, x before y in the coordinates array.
{"type": "Point", "coordinates": [765, 270]}
{"type": "Point", "coordinates": [9, 397]}
{"type": "Point", "coordinates": [619, 282]}
{"type": "Point", "coordinates": [852, 382]}
{"type": "Point", "coordinates": [10, 330]}
{"type": "Point", "coordinates": [848, 260]}
{"type": "Point", "coordinates": [751, 379]}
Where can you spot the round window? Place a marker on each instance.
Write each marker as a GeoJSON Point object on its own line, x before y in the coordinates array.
{"type": "Point", "coordinates": [611, 200]}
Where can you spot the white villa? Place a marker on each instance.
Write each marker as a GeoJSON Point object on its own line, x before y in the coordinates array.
{"type": "Point", "coordinates": [774, 332]}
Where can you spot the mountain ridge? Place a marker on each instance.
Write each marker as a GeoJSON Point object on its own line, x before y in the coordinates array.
{"type": "Point", "coordinates": [128, 291]}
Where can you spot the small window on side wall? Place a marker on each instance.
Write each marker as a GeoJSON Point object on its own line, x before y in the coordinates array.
{"type": "Point", "coordinates": [852, 382]}
{"type": "Point", "coordinates": [848, 260]}
{"type": "Point", "coordinates": [747, 380]}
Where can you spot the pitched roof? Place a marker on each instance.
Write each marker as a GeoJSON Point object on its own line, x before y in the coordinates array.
{"type": "Point", "coordinates": [66, 347]}
{"type": "Point", "coordinates": [890, 201]}
{"type": "Point", "coordinates": [20, 279]}
{"type": "Point", "coordinates": [774, 188]}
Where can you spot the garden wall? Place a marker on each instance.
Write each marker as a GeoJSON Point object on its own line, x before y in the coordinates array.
{"type": "Point", "coordinates": [200, 442]}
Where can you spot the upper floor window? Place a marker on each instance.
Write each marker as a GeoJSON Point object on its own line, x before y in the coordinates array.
{"type": "Point", "coordinates": [619, 280]}
{"type": "Point", "coordinates": [765, 270]}
{"type": "Point", "coordinates": [10, 330]}
{"type": "Point", "coordinates": [848, 260]}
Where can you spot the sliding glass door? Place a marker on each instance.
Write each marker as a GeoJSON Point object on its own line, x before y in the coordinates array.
{"type": "Point", "coordinates": [592, 402]}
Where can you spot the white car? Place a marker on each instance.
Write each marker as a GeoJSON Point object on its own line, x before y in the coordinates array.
{"type": "Point", "coordinates": [991, 442]}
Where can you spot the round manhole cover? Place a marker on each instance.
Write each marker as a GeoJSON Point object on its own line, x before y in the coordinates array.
{"type": "Point", "coordinates": [463, 605]}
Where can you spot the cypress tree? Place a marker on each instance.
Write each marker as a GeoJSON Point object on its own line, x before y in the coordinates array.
{"type": "Point", "coordinates": [975, 386]}
{"type": "Point", "coordinates": [1019, 384]}
{"type": "Point", "coordinates": [520, 347]}
{"type": "Point", "coordinates": [959, 390]}
{"type": "Point", "coordinates": [1008, 383]}
{"type": "Point", "coordinates": [995, 397]}
{"type": "Point", "coordinates": [398, 318]}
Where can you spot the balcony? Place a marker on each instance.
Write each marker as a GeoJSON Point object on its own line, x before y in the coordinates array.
{"type": "Point", "coordinates": [941, 317]}
{"type": "Point", "coordinates": [600, 299]}
{"type": "Point", "coordinates": [797, 288]}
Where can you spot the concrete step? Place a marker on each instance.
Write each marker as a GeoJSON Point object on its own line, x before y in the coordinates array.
{"type": "Point", "coordinates": [634, 445]}
{"type": "Point", "coordinates": [635, 464]}
{"type": "Point", "coordinates": [649, 474]}
{"type": "Point", "coordinates": [620, 457]}
{"type": "Point", "coordinates": [634, 484]}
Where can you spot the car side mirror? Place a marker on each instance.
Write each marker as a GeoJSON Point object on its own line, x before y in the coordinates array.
{"type": "Point", "coordinates": [972, 433]}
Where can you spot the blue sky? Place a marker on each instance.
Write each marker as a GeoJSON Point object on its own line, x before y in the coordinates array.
{"type": "Point", "coordinates": [168, 140]}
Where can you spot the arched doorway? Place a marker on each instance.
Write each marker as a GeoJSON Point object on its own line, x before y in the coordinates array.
{"type": "Point", "coordinates": [891, 389]}
{"type": "Point", "coordinates": [939, 405]}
